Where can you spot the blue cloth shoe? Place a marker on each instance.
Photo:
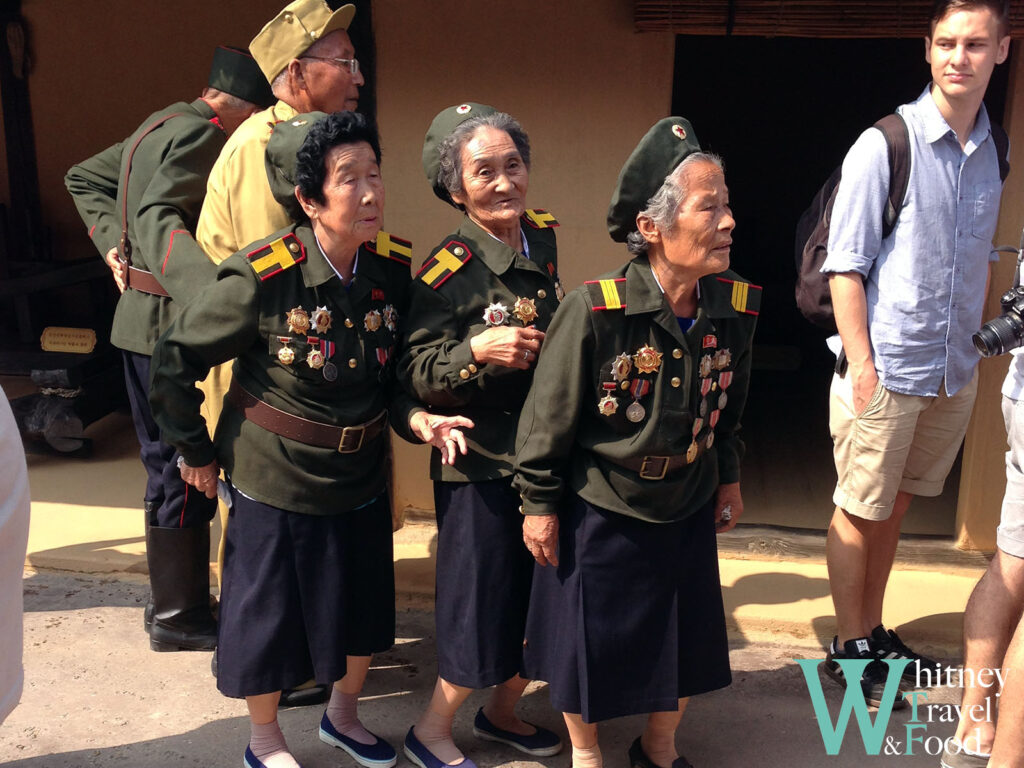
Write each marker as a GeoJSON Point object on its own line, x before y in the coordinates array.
{"type": "Point", "coordinates": [424, 758]}
{"type": "Point", "coordinates": [543, 743]}
{"type": "Point", "coordinates": [380, 754]}
{"type": "Point", "coordinates": [250, 760]}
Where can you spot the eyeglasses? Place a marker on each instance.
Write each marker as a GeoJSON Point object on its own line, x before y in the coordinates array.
{"type": "Point", "coordinates": [352, 65]}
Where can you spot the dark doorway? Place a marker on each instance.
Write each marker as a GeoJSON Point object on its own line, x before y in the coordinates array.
{"type": "Point", "coordinates": [782, 112]}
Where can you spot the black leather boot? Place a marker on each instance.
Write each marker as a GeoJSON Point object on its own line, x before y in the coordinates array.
{"type": "Point", "coordinates": [149, 510]}
{"type": "Point", "coordinates": [179, 574]}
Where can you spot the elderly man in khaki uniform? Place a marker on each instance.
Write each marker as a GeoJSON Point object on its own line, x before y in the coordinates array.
{"type": "Point", "coordinates": [309, 60]}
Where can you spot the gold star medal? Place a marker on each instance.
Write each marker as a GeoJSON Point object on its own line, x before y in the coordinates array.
{"type": "Point", "coordinates": [621, 366]}
{"type": "Point", "coordinates": [372, 321]}
{"type": "Point", "coordinates": [285, 355]}
{"type": "Point", "coordinates": [298, 320]}
{"type": "Point", "coordinates": [496, 314]}
{"type": "Point", "coordinates": [647, 359]}
{"type": "Point", "coordinates": [525, 310]}
{"type": "Point", "coordinates": [321, 319]}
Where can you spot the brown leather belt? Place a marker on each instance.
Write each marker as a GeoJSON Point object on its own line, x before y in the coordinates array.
{"type": "Point", "coordinates": [653, 467]}
{"type": "Point", "coordinates": [344, 439]}
{"type": "Point", "coordinates": [144, 282]}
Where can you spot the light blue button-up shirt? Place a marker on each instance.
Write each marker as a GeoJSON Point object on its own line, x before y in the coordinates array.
{"type": "Point", "coordinates": [925, 283]}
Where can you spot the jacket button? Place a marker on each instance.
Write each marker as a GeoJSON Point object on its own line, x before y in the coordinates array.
{"type": "Point", "coordinates": [352, 362]}
{"type": "Point", "coordinates": [676, 382]}
{"type": "Point", "coordinates": [293, 247]}
{"type": "Point", "coordinates": [677, 353]}
{"type": "Point", "coordinates": [348, 323]}
{"type": "Point", "coordinates": [542, 294]}
{"type": "Point", "coordinates": [458, 250]}
{"type": "Point", "coordinates": [463, 374]}
{"type": "Point", "coordinates": [472, 368]}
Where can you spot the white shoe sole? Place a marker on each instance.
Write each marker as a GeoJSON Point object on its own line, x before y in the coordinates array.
{"type": "Point", "coordinates": [326, 738]}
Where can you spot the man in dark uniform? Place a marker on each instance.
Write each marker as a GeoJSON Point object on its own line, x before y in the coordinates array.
{"type": "Point", "coordinates": [140, 199]}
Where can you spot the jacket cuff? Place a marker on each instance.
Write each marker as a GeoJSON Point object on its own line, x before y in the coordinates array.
{"type": "Point", "coordinates": [463, 368]}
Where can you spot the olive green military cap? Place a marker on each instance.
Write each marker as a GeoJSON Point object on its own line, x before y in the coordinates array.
{"type": "Point", "coordinates": [235, 71]}
{"type": "Point", "coordinates": [285, 142]}
{"type": "Point", "coordinates": [289, 34]}
{"type": "Point", "coordinates": [447, 120]}
{"type": "Point", "coordinates": [663, 148]}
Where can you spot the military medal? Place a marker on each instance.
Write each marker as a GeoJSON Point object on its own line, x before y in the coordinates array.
{"type": "Point", "coordinates": [698, 424]}
{"type": "Point", "coordinates": [636, 412]}
{"type": "Point", "coordinates": [725, 379]}
{"type": "Point", "coordinates": [330, 371]}
{"type": "Point", "coordinates": [525, 310]}
{"type": "Point", "coordinates": [298, 320]}
{"type": "Point", "coordinates": [608, 405]}
{"type": "Point", "coordinates": [711, 439]}
{"type": "Point", "coordinates": [496, 314]}
{"type": "Point", "coordinates": [390, 318]}
{"type": "Point", "coordinates": [710, 342]}
{"type": "Point", "coordinates": [285, 355]}
{"type": "Point", "coordinates": [722, 359]}
{"type": "Point", "coordinates": [691, 452]}
{"type": "Point", "coordinates": [703, 410]}
{"type": "Point", "coordinates": [722, 400]}
{"type": "Point", "coordinates": [559, 291]}
{"type": "Point", "coordinates": [321, 319]}
{"type": "Point", "coordinates": [713, 418]}
{"type": "Point", "coordinates": [315, 359]}
{"type": "Point", "coordinates": [705, 387]}
{"type": "Point", "coordinates": [705, 366]}
{"type": "Point", "coordinates": [647, 359]}
{"type": "Point", "coordinates": [372, 321]}
{"type": "Point", "coordinates": [621, 366]}
{"type": "Point", "coordinates": [383, 355]}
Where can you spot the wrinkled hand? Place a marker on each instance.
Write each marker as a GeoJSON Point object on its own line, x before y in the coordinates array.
{"type": "Point", "coordinates": [442, 432]}
{"type": "Point", "coordinates": [540, 533]}
{"type": "Point", "coordinates": [728, 497]}
{"type": "Point", "coordinates": [864, 379]}
{"type": "Point", "coordinates": [119, 268]}
{"type": "Point", "coordinates": [201, 478]}
{"type": "Point", "coordinates": [507, 346]}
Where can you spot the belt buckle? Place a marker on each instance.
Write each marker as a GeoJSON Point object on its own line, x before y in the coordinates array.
{"type": "Point", "coordinates": [347, 434]}
{"type": "Point", "coordinates": [647, 474]}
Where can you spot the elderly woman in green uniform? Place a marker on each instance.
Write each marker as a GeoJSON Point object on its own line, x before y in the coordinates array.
{"type": "Point", "coordinates": [311, 316]}
{"type": "Point", "coordinates": [628, 458]}
{"type": "Point", "coordinates": [479, 309]}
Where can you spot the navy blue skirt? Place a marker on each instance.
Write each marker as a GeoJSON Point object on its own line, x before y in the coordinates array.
{"type": "Point", "coordinates": [302, 592]}
{"type": "Point", "coordinates": [483, 582]}
{"type": "Point", "coordinates": [631, 620]}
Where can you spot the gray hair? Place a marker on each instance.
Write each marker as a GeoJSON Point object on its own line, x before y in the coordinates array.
{"type": "Point", "coordinates": [279, 83]}
{"type": "Point", "coordinates": [661, 208]}
{"type": "Point", "coordinates": [450, 150]}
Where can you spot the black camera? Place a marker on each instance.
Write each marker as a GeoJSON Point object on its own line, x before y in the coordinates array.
{"type": "Point", "coordinates": [1001, 334]}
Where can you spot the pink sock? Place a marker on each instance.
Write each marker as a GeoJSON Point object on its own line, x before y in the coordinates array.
{"type": "Point", "coordinates": [342, 712]}
{"type": "Point", "coordinates": [434, 732]}
{"type": "Point", "coordinates": [587, 757]}
{"type": "Point", "coordinates": [267, 743]}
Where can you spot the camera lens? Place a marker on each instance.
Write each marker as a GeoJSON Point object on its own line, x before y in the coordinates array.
{"type": "Point", "coordinates": [999, 335]}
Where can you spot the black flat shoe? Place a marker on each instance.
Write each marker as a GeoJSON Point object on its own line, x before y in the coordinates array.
{"type": "Point", "coordinates": [639, 759]}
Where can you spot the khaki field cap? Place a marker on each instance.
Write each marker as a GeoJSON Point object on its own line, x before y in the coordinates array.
{"type": "Point", "coordinates": [289, 34]}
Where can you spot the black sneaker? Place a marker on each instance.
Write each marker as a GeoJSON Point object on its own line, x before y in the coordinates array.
{"type": "Point", "coordinates": [921, 672]}
{"type": "Point", "coordinates": [872, 682]}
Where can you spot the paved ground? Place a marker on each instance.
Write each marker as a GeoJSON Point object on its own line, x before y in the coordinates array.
{"type": "Point", "coordinates": [95, 695]}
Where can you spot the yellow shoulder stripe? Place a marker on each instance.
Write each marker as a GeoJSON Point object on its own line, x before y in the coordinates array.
{"type": "Point", "coordinates": [276, 257]}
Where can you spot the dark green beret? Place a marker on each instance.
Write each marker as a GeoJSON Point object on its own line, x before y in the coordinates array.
{"type": "Point", "coordinates": [663, 148]}
{"type": "Point", "coordinates": [236, 72]}
{"type": "Point", "coordinates": [284, 144]}
{"type": "Point", "coordinates": [447, 120]}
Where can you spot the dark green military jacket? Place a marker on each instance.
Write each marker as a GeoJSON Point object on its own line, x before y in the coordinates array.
{"type": "Point", "coordinates": [469, 272]}
{"type": "Point", "coordinates": [619, 381]}
{"type": "Point", "coordinates": [243, 314]}
{"type": "Point", "coordinates": [165, 193]}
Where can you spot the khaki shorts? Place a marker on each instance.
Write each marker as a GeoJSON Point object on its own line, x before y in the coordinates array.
{"type": "Point", "coordinates": [898, 443]}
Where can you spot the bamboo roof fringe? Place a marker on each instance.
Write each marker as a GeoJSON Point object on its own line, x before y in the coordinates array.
{"type": "Point", "coordinates": [796, 18]}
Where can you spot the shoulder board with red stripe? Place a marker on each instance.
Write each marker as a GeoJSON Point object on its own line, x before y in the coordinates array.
{"type": "Point", "coordinates": [391, 247]}
{"type": "Point", "coordinates": [746, 297]}
{"type": "Point", "coordinates": [445, 263]}
{"type": "Point", "coordinates": [273, 258]}
{"type": "Point", "coordinates": [538, 218]}
{"type": "Point", "coordinates": [604, 294]}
